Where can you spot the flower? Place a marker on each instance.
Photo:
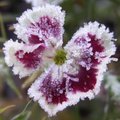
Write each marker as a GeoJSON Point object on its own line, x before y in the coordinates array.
{"type": "Point", "coordinates": [70, 73]}
{"type": "Point", "coordinates": [36, 3]}
{"type": "Point", "coordinates": [26, 55]}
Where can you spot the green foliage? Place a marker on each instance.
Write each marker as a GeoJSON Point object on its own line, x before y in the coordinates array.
{"type": "Point", "coordinates": [3, 32]}
{"type": "Point", "coordinates": [116, 2]}
{"type": "Point", "coordinates": [12, 85]}
{"type": "Point", "coordinates": [22, 116]}
{"type": "Point", "coordinates": [6, 108]}
{"type": "Point", "coordinates": [5, 74]}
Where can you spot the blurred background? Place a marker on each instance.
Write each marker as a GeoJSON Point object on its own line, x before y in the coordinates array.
{"type": "Point", "coordinates": [14, 102]}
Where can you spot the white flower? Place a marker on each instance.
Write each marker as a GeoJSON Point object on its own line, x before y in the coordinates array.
{"type": "Point", "coordinates": [70, 73]}
{"type": "Point", "coordinates": [36, 3]}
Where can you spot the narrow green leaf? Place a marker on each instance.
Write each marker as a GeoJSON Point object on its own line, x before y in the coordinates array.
{"type": "Point", "coordinates": [12, 85]}
{"type": "Point", "coordinates": [31, 79]}
{"type": "Point", "coordinates": [5, 75]}
{"type": "Point", "coordinates": [22, 116]}
{"type": "Point", "coordinates": [6, 108]}
{"type": "Point", "coordinates": [3, 32]}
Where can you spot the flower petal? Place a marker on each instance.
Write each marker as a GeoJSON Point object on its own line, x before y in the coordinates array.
{"type": "Point", "coordinates": [40, 24]}
{"type": "Point", "coordinates": [25, 59]}
{"type": "Point", "coordinates": [50, 90]}
{"type": "Point", "coordinates": [91, 47]}
{"type": "Point", "coordinates": [43, 2]}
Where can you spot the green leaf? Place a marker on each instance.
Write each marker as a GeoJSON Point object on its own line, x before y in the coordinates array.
{"type": "Point", "coordinates": [6, 108]}
{"type": "Point", "coordinates": [8, 79]}
{"type": "Point", "coordinates": [1, 117]}
{"type": "Point", "coordinates": [31, 79]}
{"type": "Point", "coordinates": [22, 116]}
{"type": "Point", "coordinates": [12, 85]}
{"type": "Point", "coordinates": [3, 31]}
{"type": "Point", "coordinates": [117, 2]}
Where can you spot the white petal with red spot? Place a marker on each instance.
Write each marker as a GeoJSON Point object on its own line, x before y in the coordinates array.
{"type": "Point", "coordinates": [24, 59]}
{"type": "Point", "coordinates": [51, 92]}
{"type": "Point", "coordinates": [91, 47]}
{"type": "Point", "coordinates": [40, 24]}
{"type": "Point", "coordinates": [99, 31]}
{"type": "Point", "coordinates": [10, 47]}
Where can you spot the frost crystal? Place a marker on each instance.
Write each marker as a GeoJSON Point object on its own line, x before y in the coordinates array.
{"type": "Point", "coordinates": [70, 73]}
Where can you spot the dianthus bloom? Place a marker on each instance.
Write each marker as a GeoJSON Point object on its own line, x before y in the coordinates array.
{"type": "Point", "coordinates": [36, 3]}
{"type": "Point", "coordinates": [70, 73]}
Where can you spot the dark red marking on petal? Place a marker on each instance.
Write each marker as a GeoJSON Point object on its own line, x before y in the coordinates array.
{"type": "Point", "coordinates": [97, 47]}
{"type": "Point", "coordinates": [54, 91]}
{"type": "Point", "coordinates": [46, 27]}
{"type": "Point", "coordinates": [95, 43]}
{"type": "Point", "coordinates": [31, 59]}
{"type": "Point", "coordinates": [34, 39]}
{"type": "Point", "coordinates": [49, 26]}
{"type": "Point", "coordinates": [87, 78]}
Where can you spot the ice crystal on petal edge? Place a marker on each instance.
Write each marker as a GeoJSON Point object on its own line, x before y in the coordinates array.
{"type": "Point", "coordinates": [70, 73]}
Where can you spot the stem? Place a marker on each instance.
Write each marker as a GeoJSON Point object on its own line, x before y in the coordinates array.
{"type": "Point", "coordinates": [107, 108]}
{"type": "Point", "coordinates": [44, 118]}
{"type": "Point", "coordinates": [12, 85]}
{"type": "Point", "coordinates": [3, 32]}
{"type": "Point", "coordinates": [26, 106]}
{"type": "Point", "coordinates": [48, 118]}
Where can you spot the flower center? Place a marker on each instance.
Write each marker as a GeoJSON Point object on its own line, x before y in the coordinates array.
{"type": "Point", "coordinates": [60, 57]}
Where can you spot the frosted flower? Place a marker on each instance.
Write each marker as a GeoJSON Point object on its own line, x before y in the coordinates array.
{"type": "Point", "coordinates": [70, 73]}
{"type": "Point", "coordinates": [36, 3]}
{"type": "Point", "coordinates": [113, 84]}
{"type": "Point", "coordinates": [41, 28]}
